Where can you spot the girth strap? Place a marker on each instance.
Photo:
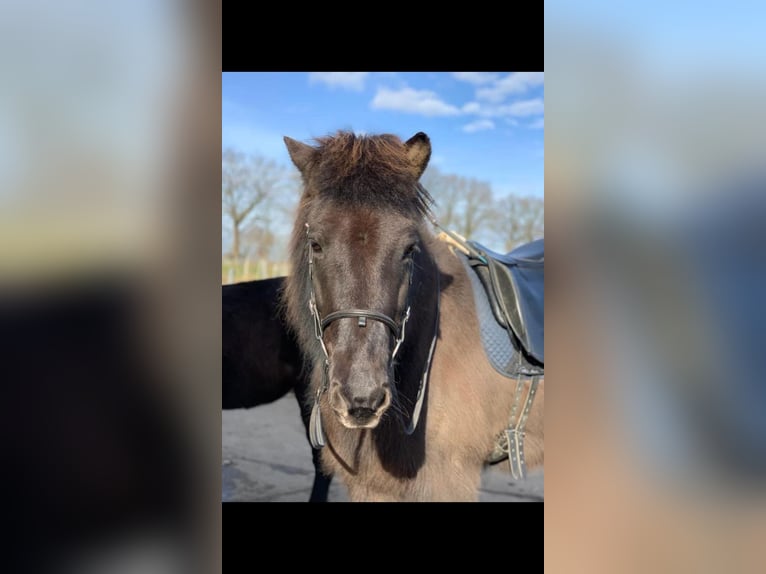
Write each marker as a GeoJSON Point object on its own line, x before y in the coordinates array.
{"type": "Point", "coordinates": [516, 433]}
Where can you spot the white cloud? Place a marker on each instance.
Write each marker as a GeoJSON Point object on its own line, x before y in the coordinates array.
{"type": "Point", "coordinates": [346, 80]}
{"type": "Point", "coordinates": [478, 126]}
{"type": "Point", "coordinates": [409, 100]}
{"type": "Point", "coordinates": [476, 78]}
{"type": "Point", "coordinates": [521, 108]}
{"type": "Point", "coordinates": [524, 108]}
{"type": "Point", "coordinates": [514, 83]}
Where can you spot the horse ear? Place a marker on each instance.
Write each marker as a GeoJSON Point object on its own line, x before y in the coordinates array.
{"type": "Point", "coordinates": [300, 153]}
{"type": "Point", "coordinates": [419, 152]}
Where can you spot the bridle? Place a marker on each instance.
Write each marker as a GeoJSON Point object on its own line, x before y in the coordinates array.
{"type": "Point", "coordinates": [316, 435]}
{"type": "Point", "coordinates": [360, 314]}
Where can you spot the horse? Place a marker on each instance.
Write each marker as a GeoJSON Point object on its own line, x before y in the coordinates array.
{"type": "Point", "coordinates": [405, 402]}
{"type": "Point", "coordinates": [261, 361]}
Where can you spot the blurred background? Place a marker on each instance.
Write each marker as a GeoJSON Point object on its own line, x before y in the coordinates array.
{"type": "Point", "coordinates": [110, 145]}
{"type": "Point", "coordinates": [655, 276]}
{"type": "Point", "coordinates": [485, 172]}
{"type": "Point", "coordinates": [111, 248]}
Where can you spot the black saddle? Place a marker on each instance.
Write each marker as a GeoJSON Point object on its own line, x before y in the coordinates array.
{"type": "Point", "coordinates": [514, 283]}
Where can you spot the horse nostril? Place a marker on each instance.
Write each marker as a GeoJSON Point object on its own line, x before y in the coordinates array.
{"type": "Point", "coordinates": [379, 398]}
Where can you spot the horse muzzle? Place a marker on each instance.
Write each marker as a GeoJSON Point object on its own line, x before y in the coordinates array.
{"type": "Point", "coordinates": [360, 408]}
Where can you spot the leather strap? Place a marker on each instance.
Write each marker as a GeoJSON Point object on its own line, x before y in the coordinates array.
{"type": "Point", "coordinates": [516, 433]}
{"type": "Point", "coordinates": [361, 314]}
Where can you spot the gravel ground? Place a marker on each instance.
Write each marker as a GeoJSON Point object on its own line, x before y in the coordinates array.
{"type": "Point", "coordinates": [266, 458]}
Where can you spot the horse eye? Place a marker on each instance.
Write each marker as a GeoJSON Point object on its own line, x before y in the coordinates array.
{"type": "Point", "coordinates": [410, 251]}
{"type": "Point", "coordinates": [315, 247]}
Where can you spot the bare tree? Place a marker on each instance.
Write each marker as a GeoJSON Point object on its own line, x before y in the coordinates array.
{"type": "Point", "coordinates": [463, 205]}
{"type": "Point", "coordinates": [259, 240]}
{"type": "Point", "coordinates": [249, 185]}
{"type": "Point", "coordinates": [519, 220]}
{"type": "Point", "coordinates": [446, 191]}
{"type": "Point", "coordinates": [477, 208]}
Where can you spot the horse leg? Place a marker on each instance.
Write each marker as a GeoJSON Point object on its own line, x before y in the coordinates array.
{"type": "Point", "coordinates": [321, 481]}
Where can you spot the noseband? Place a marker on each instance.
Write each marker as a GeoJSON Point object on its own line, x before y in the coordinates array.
{"type": "Point", "coordinates": [316, 435]}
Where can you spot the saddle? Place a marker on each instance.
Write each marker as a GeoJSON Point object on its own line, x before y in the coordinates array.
{"type": "Point", "coordinates": [514, 287]}
{"type": "Point", "coordinates": [514, 283]}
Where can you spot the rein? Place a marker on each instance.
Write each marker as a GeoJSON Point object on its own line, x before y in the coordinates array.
{"type": "Point", "coordinates": [316, 434]}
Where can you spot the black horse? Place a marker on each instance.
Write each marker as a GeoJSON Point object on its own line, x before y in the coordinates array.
{"type": "Point", "coordinates": [261, 359]}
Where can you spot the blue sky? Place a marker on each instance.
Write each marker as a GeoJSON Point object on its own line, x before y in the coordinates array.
{"type": "Point", "coordinates": [675, 37]}
{"type": "Point", "coordinates": [484, 125]}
